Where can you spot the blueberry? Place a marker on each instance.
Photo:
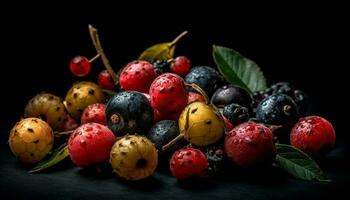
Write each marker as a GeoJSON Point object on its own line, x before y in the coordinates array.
{"type": "Point", "coordinates": [278, 109]}
{"type": "Point", "coordinates": [129, 112]}
{"type": "Point", "coordinates": [205, 77]}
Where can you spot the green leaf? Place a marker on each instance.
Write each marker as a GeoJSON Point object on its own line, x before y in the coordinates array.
{"type": "Point", "coordinates": [57, 156]}
{"type": "Point", "coordinates": [298, 164]}
{"type": "Point", "coordinates": [239, 70]}
{"type": "Point", "coordinates": [161, 51]}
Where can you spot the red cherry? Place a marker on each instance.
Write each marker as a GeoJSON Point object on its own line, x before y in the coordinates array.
{"type": "Point", "coordinates": [80, 66]}
{"type": "Point", "coordinates": [105, 80]}
{"type": "Point", "coordinates": [181, 65]}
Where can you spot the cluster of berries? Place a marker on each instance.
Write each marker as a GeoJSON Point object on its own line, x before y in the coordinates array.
{"type": "Point", "coordinates": [167, 112]}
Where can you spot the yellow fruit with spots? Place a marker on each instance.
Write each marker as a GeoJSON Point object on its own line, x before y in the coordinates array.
{"type": "Point", "coordinates": [134, 157]}
{"type": "Point", "coordinates": [201, 124]}
{"type": "Point", "coordinates": [80, 96]}
{"type": "Point", "coordinates": [31, 140]}
{"type": "Point", "coordinates": [47, 107]}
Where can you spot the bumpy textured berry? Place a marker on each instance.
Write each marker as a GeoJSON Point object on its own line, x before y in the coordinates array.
{"type": "Point", "coordinates": [201, 124]}
{"type": "Point", "coordinates": [229, 94]}
{"type": "Point", "coordinates": [188, 162]}
{"type": "Point", "coordinates": [80, 96]}
{"type": "Point", "coordinates": [161, 66]}
{"type": "Point", "coordinates": [48, 107]}
{"type": "Point", "coordinates": [134, 157]}
{"type": "Point", "coordinates": [277, 109]}
{"type": "Point", "coordinates": [105, 80]}
{"type": "Point", "coordinates": [168, 94]}
{"type": "Point", "coordinates": [129, 112]}
{"type": "Point", "coordinates": [192, 97]}
{"type": "Point", "coordinates": [313, 135]}
{"type": "Point", "coordinates": [138, 76]}
{"type": "Point", "coordinates": [236, 113]}
{"type": "Point", "coordinates": [94, 113]}
{"type": "Point", "coordinates": [90, 144]}
{"type": "Point", "coordinates": [216, 157]}
{"type": "Point", "coordinates": [250, 144]}
{"type": "Point", "coordinates": [80, 66]}
{"type": "Point", "coordinates": [31, 140]}
{"type": "Point", "coordinates": [180, 65]}
{"type": "Point", "coordinates": [206, 78]}
{"type": "Point", "coordinates": [162, 133]}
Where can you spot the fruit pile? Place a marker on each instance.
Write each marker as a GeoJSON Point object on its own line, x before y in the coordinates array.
{"type": "Point", "coordinates": [159, 111]}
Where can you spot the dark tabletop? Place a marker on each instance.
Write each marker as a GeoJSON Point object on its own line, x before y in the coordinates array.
{"type": "Point", "coordinates": [68, 182]}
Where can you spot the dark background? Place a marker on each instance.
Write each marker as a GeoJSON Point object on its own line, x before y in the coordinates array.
{"type": "Point", "coordinates": [302, 44]}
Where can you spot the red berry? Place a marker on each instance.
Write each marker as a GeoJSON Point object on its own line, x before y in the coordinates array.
{"type": "Point", "coordinates": [105, 80]}
{"type": "Point", "coordinates": [94, 113]}
{"type": "Point", "coordinates": [168, 94]}
{"type": "Point", "coordinates": [147, 96]}
{"type": "Point", "coordinates": [250, 143]}
{"type": "Point", "coordinates": [90, 144]}
{"type": "Point", "coordinates": [80, 66]}
{"type": "Point", "coordinates": [138, 76]}
{"type": "Point", "coordinates": [192, 97]}
{"type": "Point", "coordinates": [181, 65]}
{"type": "Point", "coordinates": [69, 124]}
{"type": "Point", "coordinates": [313, 135]}
{"type": "Point", "coordinates": [188, 162]}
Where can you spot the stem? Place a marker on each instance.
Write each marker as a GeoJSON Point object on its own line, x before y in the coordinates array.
{"type": "Point", "coordinates": [96, 41]}
{"type": "Point", "coordinates": [94, 58]}
{"type": "Point", "coordinates": [109, 92]}
{"type": "Point", "coordinates": [177, 39]}
{"type": "Point", "coordinates": [200, 90]}
{"type": "Point", "coordinates": [172, 142]}
{"type": "Point", "coordinates": [59, 134]}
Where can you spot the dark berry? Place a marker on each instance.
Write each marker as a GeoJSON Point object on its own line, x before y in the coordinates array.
{"type": "Point", "coordinates": [236, 113]}
{"type": "Point", "coordinates": [205, 77]}
{"type": "Point", "coordinates": [161, 66]}
{"type": "Point", "coordinates": [229, 94]}
{"type": "Point", "coordinates": [216, 156]}
{"type": "Point", "coordinates": [129, 112]}
{"type": "Point", "coordinates": [278, 109]}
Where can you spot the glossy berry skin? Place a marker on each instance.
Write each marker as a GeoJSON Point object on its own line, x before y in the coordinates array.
{"type": "Point", "coordinates": [168, 94]}
{"type": "Point", "coordinates": [188, 162]}
{"type": "Point", "coordinates": [162, 133]}
{"type": "Point", "coordinates": [94, 113]}
{"type": "Point", "coordinates": [181, 65]}
{"type": "Point", "coordinates": [80, 66]}
{"type": "Point", "coordinates": [229, 94]}
{"type": "Point", "coordinates": [105, 80]}
{"type": "Point", "coordinates": [236, 114]}
{"type": "Point", "coordinates": [228, 125]}
{"type": "Point", "coordinates": [129, 112]}
{"type": "Point", "coordinates": [90, 144]}
{"type": "Point", "coordinates": [277, 109]}
{"type": "Point", "coordinates": [313, 135]}
{"type": "Point", "coordinates": [138, 76]}
{"type": "Point", "coordinates": [192, 97]}
{"type": "Point", "coordinates": [250, 144]}
{"type": "Point", "coordinates": [206, 78]}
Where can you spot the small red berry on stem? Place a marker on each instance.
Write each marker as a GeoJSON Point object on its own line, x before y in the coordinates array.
{"type": "Point", "coordinates": [105, 80]}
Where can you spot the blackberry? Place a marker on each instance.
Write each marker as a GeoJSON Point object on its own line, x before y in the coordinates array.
{"type": "Point", "coordinates": [161, 66]}
{"type": "Point", "coordinates": [236, 113]}
{"type": "Point", "coordinates": [216, 157]}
